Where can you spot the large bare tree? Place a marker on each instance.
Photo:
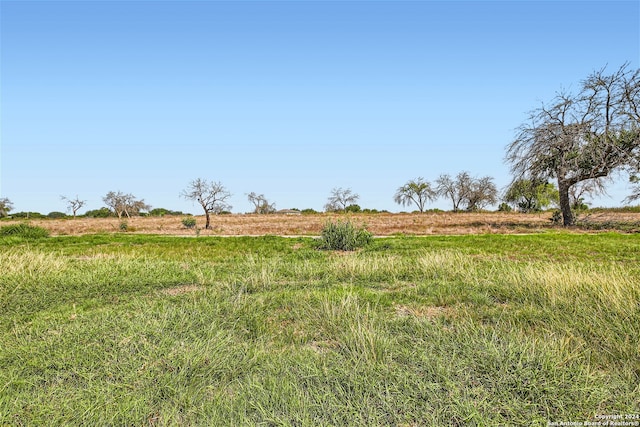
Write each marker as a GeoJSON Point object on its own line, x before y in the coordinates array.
{"type": "Point", "coordinates": [467, 192]}
{"type": "Point", "coordinates": [261, 204]}
{"type": "Point", "coordinates": [211, 196]}
{"type": "Point", "coordinates": [455, 190]}
{"type": "Point", "coordinates": [481, 193]}
{"type": "Point", "coordinates": [339, 199]}
{"type": "Point", "coordinates": [583, 136]}
{"type": "Point", "coordinates": [416, 191]}
{"type": "Point", "coordinates": [124, 204]}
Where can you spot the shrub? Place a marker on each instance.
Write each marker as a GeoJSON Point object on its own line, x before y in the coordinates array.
{"type": "Point", "coordinates": [163, 212]}
{"type": "Point", "coordinates": [124, 226]}
{"type": "Point", "coordinates": [504, 207]}
{"type": "Point", "coordinates": [353, 208]}
{"type": "Point", "coordinates": [99, 213]}
{"type": "Point", "coordinates": [25, 231]}
{"type": "Point", "coordinates": [189, 222]}
{"type": "Point", "coordinates": [344, 236]}
{"type": "Point", "coordinates": [556, 217]}
{"type": "Point", "coordinates": [56, 215]}
{"type": "Point", "coordinates": [34, 215]}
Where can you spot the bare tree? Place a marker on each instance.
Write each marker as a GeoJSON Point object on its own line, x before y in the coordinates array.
{"type": "Point", "coordinates": [212, 196]}
{"type": "Point", "coordinates": [416, 191]}
{"type": "Point", "coordinates": [457, 190]}
{"type": "Point", "coordinates": [454, 190]}
{"type": "Point", "coordinates": [124, 204]}
{"type": "Point", "coordinates": [261, 204]}
{"type": "Point", "coordinates": [581, 137]}
{"type": "Point", "coordinates": [340, 199]}
{"type": "Point", "coordinates": [5, 207]}
{"type": "Point", "coordinates": [73, 205]}
{"type": "Point", "coordinates": [481, 193]}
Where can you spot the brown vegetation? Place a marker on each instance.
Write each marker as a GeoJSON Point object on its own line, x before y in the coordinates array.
{"type": "Point", "coordinates": [386, 224]}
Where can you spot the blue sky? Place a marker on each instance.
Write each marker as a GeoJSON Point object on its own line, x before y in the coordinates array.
{"type": "Point", "coordinates": [285, 98]}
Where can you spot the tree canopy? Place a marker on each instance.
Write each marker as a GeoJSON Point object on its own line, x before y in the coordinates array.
{"type": "Point", "coordinates": [211, 196]}
{"type": "Point", "coordinates": [416, 191]}
{"type": "Point", "coordinates": [339, 199]}
{"type": "Point", "coordinates": [582, 136]}
{"type": "Point", "coordinates": [531, 195]}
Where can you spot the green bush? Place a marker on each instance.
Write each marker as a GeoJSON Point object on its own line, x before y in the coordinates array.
{"type": "Point", "coordinates": [189, 222]}
{"type": "Point", "coordinates": [504, 207]}
{"type": "Point", "coordinates": [25, 231]}
{"type": "Point", "coordinates": [33, 215]}
{"type": "Point", "coordinates": [344, 236]}
{"type": "Point", "coordinates": [556, 217]}
{"type": "Point", "coordinates": [124, 226]}
{"type": "Point", "coordinates": [163, 212]}
{"type": "Point", "coordinates": [56, 215]}
{"type": "Point", "coordinates": [99, 213]}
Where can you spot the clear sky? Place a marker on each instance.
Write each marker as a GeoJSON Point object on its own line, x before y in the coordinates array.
{"type": "Point", "coordinates": [285, 98]}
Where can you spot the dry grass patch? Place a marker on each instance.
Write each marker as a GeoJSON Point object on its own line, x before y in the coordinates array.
{"type": "Point", "coordinates": [384, 224]}
{"type": "Point", "coordinates": [181, 290]}
{"type": "Point", "coordinates": [429, 312]}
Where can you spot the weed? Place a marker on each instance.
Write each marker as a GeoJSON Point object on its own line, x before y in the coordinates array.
{"type": "Point", "coordinates": [24, 231]}
{"type": "Point", "coordinates": [344, 236]}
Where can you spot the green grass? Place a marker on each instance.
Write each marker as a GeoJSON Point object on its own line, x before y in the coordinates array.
{"type": "Point", "coordinates": [23, 231]}
{"type": "Point", "coordinates": [467, 330]}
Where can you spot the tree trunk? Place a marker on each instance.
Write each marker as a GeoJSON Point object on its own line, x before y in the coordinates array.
{"type": "Point", "coordinates": [565, 203]}
{"type": "Point", "coordinates": [206, 214]}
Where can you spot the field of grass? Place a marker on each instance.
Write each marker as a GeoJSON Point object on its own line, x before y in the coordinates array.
{"type": "Point", "coordinates": [380, 224]}
{"type": "Point", "coordinates": [129, 329]}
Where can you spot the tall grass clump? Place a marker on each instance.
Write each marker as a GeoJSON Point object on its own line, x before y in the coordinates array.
{"type": "Point", "coordinates": [344, 236]}
{"type": "Point", "coordinates": [24, 231]}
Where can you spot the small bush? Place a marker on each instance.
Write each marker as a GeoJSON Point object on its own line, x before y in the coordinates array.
{"type": "Point", "coordinates": [27, 215]}
{"type": "Point", "coordinates": [124, 226]}
{"type": "Point", "coordinates": [25, 231]}
{"type": "Point", "coordinates": [556, 217]}
{"type": "Point", "coordinates": [163, 212]}
{"type": "Point", "coordinates": [344, 236]}
{"type": "Point", "coordinates": [189, 222]}
{"type": "Point", "coordinates": [56, 215]}
{"type": "Point", "coordinates": [504, 207]}
{"type": "Point", "coordinates": [99, 213]}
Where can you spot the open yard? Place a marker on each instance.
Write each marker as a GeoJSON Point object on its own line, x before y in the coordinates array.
{"type": "Point", "coordinates": [489, 329]}
{"type": "Point", "coordinates": [383, 224]}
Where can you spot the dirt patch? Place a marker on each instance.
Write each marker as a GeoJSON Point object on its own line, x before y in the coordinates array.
{"type": "Point", "coordinates": [181, 290]}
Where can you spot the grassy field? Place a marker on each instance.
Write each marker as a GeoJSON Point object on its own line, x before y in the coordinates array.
{"type": "Point", "coordinates": [129, 329]}
{"type": "Point", "coordinates": [382, 224]}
